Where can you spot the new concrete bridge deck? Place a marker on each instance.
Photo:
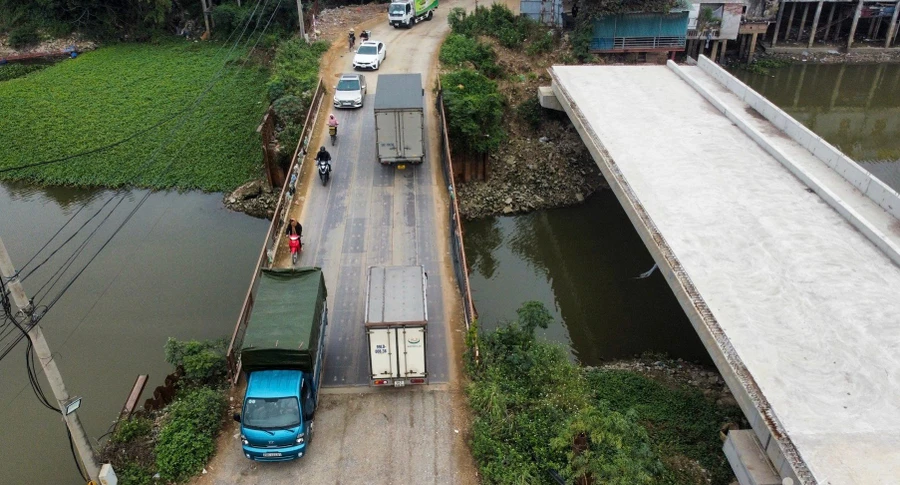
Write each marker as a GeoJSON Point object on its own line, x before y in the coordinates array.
{"type": "Point", "coordinates": [782, 252]}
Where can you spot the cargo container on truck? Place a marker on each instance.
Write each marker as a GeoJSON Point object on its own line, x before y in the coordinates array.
{"type": "Point", "coordinates": [396, 324]}
{"type": "Point", "coordinates": [406, 13]}
{"type": "Point", "coordinates": [282, 356]}
{"type": "Point", "coordinates": [400, 119]}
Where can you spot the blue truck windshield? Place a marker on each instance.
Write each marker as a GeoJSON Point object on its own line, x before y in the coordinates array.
{"type": "Point", "coordinates": [272, 413]}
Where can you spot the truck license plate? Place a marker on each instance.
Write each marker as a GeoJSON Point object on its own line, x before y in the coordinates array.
{"type": "Point", "coordinates": [399, 383]}
{"type": "Point", "coordinates": [402, 166]}
{"type": "Point", "coordinates": [271, 454]}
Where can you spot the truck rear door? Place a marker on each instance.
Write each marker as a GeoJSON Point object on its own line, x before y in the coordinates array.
{"type": "Point", "coordinates": [412, 358]}
{"type": "Point", "coordinates": [387, 133]}
{"type": "Point", "coordinates": [382, 353]}
{"type": "Point", "coordinates": [413, 147]}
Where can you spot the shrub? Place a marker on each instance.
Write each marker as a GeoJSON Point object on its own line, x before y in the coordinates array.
{"type": "Point", "coordinates": [530, 401]}
{"type": "Point", "coordinates": [12, 71]}
{"type": "Point", "coordinates": [459, 50]}
{"type": "Point", "coordinates": [474, 110]}
{"type": "Point", "coordinates": [187, 439]}
{"type": "Point", "coordinates": [203, 361]}
{"type": "Point", "coordinates": [531, 112]}
{"type": "Point", "coordinates": [543, 43]}
{"type": "Point", "coordinates": [135, 427]}
{"type": "Point", "coordinates": [23, 35]}
{"type": "Point", "coordinates": [228, 17]}
{"type": "Point", "coordinates": [132, 473]}
{"type": "Point", "coordinates": [289, 108]}
{"type": "Point", "coordinates": [296, 68]}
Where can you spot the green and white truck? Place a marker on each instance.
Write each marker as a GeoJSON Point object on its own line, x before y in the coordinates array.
{"type": "Point", "coordinates": [407, 13]}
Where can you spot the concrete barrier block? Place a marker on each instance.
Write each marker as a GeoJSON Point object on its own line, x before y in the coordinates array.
{"type": "Point", "coordinates": [885, 196]}
{"type": "Point", "coordinates": [748, 460]}
{"type": "Point", "coordinates": [547, 98]}
{"type": "Point", "coordinates": [853, 173]}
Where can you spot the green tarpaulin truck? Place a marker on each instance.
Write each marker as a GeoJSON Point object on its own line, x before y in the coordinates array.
{"type": "Point", "coordinates": [282, 355]}
{"type": "Point", "coordinates": [407, 13]}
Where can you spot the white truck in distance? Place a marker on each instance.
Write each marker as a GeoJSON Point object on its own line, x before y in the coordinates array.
{"type": "Point", "coordinates": [396, 321]}
{"type": "Point", "coordinates": [407, 13]}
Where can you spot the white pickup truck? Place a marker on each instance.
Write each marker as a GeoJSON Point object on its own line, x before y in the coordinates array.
{"type": "Point", "coordinates": [396, 323]}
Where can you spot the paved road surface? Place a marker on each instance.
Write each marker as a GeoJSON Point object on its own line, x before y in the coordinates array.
{"type": "Point", "coordinates": [373, 215]}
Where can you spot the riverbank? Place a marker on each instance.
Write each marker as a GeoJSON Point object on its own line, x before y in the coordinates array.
{"type": "Point", "coordinates": [540, 161]}
{"type": "Point", "coordinates": [534, 408]}
{"type": "Point", "coordinates": [836, 54]}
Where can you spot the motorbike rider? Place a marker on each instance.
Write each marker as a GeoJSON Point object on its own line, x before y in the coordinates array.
{"type": "Point", "coordinates": [332, 123]}
{"type": "Point", "coordinates": [351, 38]}
{"type": "Point", "coordinates": [364, 36]}
{"type": "Point", "coordinates": [324, 157]}
{"type": "Point", "coordinates": [294, 228]}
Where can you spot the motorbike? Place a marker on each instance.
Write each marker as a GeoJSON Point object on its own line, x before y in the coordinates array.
{"type": "Point", "coordinates": [295, 246]}
{"type": "Point", "coordinates": [324, 171]}
{"type": "Point", "coordinates": [332, 130]}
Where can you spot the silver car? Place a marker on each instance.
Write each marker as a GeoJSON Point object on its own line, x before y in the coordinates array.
{"type": "Point", "coordinates": [350, 91]}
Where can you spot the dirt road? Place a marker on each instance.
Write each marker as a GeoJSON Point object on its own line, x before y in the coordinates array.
{"type": "Point", "coordinates": [370, 215]}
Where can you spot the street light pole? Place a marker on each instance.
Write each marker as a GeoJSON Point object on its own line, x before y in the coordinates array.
{"type": "Point", "coordinates": [45, 356]}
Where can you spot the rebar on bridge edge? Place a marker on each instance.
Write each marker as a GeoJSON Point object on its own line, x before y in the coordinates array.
{"type": "Point", "coordinates": [274, 232]}
{"type": "Point", "coordinates": [460, 266]}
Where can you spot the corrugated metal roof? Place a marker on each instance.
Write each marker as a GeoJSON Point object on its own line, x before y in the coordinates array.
{"type": "Point", "coordinates": [399, 91]}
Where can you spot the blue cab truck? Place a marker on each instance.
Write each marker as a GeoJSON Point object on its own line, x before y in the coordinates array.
{"type": "Point", "coordinates": [281, 355]}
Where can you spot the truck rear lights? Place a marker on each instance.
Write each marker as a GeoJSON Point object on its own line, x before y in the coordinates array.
{"type": "Point", "coordinates": [381, 382]}
{"type": "Point", "coordinates": [417, 381]}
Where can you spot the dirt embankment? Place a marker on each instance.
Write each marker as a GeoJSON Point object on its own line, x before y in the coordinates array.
{"type": "Point", "coordinates": [537, 167]}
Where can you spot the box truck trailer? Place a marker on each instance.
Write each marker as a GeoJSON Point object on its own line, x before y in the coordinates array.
{"type": "Point", "coordinates": [396, 324]}
{"type": "Point", "coordinates": [400, 119]}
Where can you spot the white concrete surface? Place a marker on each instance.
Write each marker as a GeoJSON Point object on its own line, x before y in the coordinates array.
{"type": "Point", "coordinates": [800, 311]}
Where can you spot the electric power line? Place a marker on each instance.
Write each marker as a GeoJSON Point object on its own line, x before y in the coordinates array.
{"type": "Point", "coordinates": [153, 157]}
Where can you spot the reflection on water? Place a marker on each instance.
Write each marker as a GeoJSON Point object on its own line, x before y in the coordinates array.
{"type": "Point", "coordinates": [581, 263]}
{"type": "Point", "coordinates": [179, 268]}
{"type": "Point", "coordinates": [854, 107]}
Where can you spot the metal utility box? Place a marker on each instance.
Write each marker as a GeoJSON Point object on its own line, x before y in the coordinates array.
{"type": "Point", "coordinates": [400, 119]}
{"type": "Point", "coordinates": [396, 324]}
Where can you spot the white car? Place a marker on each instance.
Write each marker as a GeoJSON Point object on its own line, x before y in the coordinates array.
{"type": "Point", "coordinates": [350, 91]}
{"type": "Point", "coordinates": [370, 55]}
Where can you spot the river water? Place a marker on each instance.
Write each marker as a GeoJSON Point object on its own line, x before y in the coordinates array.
{"type": "Point", "coordinates": [180, 268]}
{"type": "Point", "coordinates": [854, 107]}
{"type": "Point", "coordinates": [581, 261]}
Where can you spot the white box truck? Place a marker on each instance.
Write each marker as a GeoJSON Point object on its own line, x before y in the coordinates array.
{"type": "Point", "coordinates": [396, 323]}
{"type": "Point", "coordinates": [400, 119]}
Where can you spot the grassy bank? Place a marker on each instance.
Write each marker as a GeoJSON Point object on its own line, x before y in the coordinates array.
{"type": "Point", "coordinates": [537, 413]}
{"type": "Point", "coordinates": [111, 93]}
{"type": "Point", "coordinates": [177, 441]}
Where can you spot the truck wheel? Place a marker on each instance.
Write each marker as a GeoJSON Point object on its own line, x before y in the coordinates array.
{"type": "Point", "coordinates": [430, 15]}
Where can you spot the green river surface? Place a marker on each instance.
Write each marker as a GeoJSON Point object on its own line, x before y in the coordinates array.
{"type": "Point", "coordinates": [581, 261]}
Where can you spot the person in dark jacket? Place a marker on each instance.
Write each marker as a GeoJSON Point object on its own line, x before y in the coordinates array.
{"type": "Point", "coordinates": [294, 228]}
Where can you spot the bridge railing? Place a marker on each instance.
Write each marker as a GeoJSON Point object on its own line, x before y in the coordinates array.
{"type": "Point", "coordinates": [273, 235]}
{"type": "Point", "coordinates": [460, 266]}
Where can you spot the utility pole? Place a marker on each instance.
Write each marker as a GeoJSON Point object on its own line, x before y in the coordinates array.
{"type": "Point", "coordinates": [206, 14]}
{"type": "Point", "coordinates": [300, 16]}
{"type": "Point", "coordinates": [79, 437]}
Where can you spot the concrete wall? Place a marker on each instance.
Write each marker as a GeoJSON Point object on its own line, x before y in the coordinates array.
{"type": "Point", "coordinates": [873, 188]}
